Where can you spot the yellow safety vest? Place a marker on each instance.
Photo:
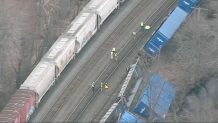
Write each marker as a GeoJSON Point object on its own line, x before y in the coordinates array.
{"type": "Point", "coordinates": [106, 87]}
{"type": "Point", "coordinates": [112, 53]}
{"type": "Point", "coordinates": [93, 85]}
{"type": "Point", "coordinates": [101, 85]}
{"type": "Point", "coordinates": [113, 50]}
{"type": "Point", "coordinates": [134, 33]}
{"type": "Point", "coordinates": [115, 54]}
{"type": "Point", "coordinates": [147, 27]}
{"type": "Point", "coordinates": [142, 23]}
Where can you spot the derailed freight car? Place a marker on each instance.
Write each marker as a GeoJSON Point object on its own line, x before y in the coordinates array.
{"type": "Point", "coordinates": [82, 29]}
{"type": "Point", "coordinates": [156, 99]}
{"type": "Point", "coordinates": [128, 117]}
{"type": "Point", "coordinates": [19, 108]}
{"type": "Point", "coordinates": [61, 53]}
{"type": "Point", "coordinates": [40, 79]}
{"type": "Point", "coordinates": [103, 8]}
{"type": "Point", "coordinates": [165, 32]}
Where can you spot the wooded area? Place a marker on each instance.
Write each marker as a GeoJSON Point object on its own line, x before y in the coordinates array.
{"type": "Point", "coordinates": [27, 31]}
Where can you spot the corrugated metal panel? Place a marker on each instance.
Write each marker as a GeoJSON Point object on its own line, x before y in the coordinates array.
{"type": "Point", "coordinates": [109, 112]}
{"type": "Point", "coordinates": [160, 111]}
{"type": "Point", "coordinates": [156, 80]}
{"type": "Point", "coordinates": [20, 106]}
{"type": "Point", "coordinates": [159, 39]}
{"type": "Point", "coordinates": [7, 120]}
{"type": "Point", "coordinates": [14, 115]}
{"type": "Point", "coordinates": [187, 4]}
{"type": "Point", "coordinates": [138, 69]}
{"type": "Point", "coordinates": [128, 117]}
{"type": "Point", "coordinates": [159, 91]}
{"type": "Point", "coordinates": [173, 22]}
{"type": "Point", "coordinates": [151, 49]}
{"type": "Point", "coordinates": [9, 117]}
{"type": "Point", "coordinates": [28, 98]}
{"type": "Point", "coordinates": [126, 81]}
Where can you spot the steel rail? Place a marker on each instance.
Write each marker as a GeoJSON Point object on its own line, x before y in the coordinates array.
{"type": "Point", "coordinates": [90, 67]}
{"type": "Point", "coordinates": [139, 41]}
{"type": "Point", "coordinates": [117, 64]}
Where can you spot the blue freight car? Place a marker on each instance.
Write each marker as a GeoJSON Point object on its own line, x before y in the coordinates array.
{"type": "Point", "coordinates": [128, 117]}
{"type": "Point", "coordinates": [188, 4]}
{"type": "Point", "coordinates": [166, 31]}
{"type": "Point", "coordinates": [159, 95]}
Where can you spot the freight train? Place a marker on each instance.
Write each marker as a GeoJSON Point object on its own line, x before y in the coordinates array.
{"type": "Point", "coordinates": [169, 27]}
{"type": "Point", "coordinates": [27, 98]}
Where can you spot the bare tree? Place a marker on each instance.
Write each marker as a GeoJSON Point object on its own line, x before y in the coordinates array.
{"type": "Point", "coordinates": [197, 111]}
{"type": "Point", "coordinates": [146, 63]}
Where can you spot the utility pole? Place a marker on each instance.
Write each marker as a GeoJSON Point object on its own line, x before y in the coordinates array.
{"type": "Point", "coordinates": [199, 10]}
{"type": "Point", "coordinates": [158, 57]}
{"type": "Point", "coordinates": [198, 50]}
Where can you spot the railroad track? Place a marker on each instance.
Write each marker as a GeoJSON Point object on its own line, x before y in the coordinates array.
{"type": "Point", "coordinates": [84, 70]}
{"type": "Point", "coordinates": [81, 107]}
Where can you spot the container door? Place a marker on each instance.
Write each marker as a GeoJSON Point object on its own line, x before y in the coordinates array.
{"type": "Point", "coordinates": [56, 73]}
{"type": "Point", "coordinates": [142, 110]}
{"type": "Point", "coordinates": [186, 4]}
{"type": "Point", "coordinates": [98, 21]}
{"type": "Point", "coordinates": [151, 49]}
{"type": "Point", "coordinates": [159, 39]}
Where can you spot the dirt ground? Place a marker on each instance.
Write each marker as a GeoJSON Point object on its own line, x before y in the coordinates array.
{"type": "Point", "coordinates": [189, 62]}
{"type": "Point", "coordinates": [27, 30]}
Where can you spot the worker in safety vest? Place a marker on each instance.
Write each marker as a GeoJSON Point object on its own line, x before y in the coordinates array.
{"type": "Point", "coordinates": [142, 25]}
{"type": "Point", "coordinates": [93, 86]}
{"type": "Point", "coordinates": [106, 87]}
{"type": "Point", "coordinates": [114, 49]}
{"type": "Point", "coordinates": [113, 53]}
{"type": "Point", "coordinates": [147, 27]}
{"type": "Point", "coordinates": [101, 86]}
{"type": "Point", "coordinates": [134, 34]}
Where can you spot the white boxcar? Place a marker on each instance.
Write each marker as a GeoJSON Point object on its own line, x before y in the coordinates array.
{"type": "Point", "coordinates": [40, 79]}
{"type": "Point", "coordinates": [61, 52]}
{"type": "Point", "coordinates": [102, 7]}
{"type": "Point", "coordinates": [82, 28]}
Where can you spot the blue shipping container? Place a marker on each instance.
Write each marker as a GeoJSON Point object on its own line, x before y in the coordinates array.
{"type": "Point", "coordinates": [166, 31]}
{"type": "Point", "coordinates": [128, 117]}
{"type": "Point", "coordinates": [151, 49]}
{"type": "Point", "coordinates": [173, 22]}
{"type": "Point", "coordinates": [159, 39]}
{"type": "Point", "coordinates": [188, 4]}
{"type": "Point", "coordinates": [159, 91]}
